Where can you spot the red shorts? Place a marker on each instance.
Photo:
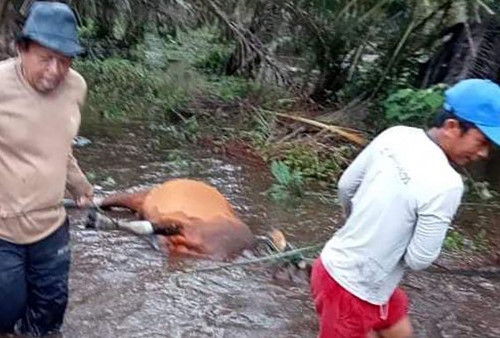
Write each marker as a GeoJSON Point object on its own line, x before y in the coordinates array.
{"type": "Point", "coordinates": [343, 315]}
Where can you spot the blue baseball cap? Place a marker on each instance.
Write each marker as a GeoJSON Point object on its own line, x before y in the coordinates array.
{"type": "Point", "coordinates": [53, 25]}
{"type": "Point", "coordinates": [476, 101]}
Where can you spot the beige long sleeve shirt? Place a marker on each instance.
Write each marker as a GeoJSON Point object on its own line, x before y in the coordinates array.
{"type": "Point", "coordinates": [36, 161]}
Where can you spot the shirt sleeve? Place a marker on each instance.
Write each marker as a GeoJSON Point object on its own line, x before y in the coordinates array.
{"type": "Point", "coordinates": [76, 182]}
{"type": "Point", "coordinates": [433, 221]}
{"type": "Point", "coordinates": [351, 179]}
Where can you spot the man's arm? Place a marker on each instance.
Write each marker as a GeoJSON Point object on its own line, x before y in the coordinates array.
{"type": "Point", "coordinates": [77, 184]}
{"type": "Point", "coordinates": [351, 179]}
{"type": "Point", "coordinates": [433, 221]}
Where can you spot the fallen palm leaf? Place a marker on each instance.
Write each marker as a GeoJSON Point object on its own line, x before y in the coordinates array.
{"type": "Point", "coordinates": [350, 135]}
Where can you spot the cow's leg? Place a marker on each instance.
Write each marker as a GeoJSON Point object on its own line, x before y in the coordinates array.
{"type": "Point", "coordinates": [100, 221]}
{"type": "Point", "coordinates": [132, 201]}
{"type": "Point", "coordinates": [143, 228]}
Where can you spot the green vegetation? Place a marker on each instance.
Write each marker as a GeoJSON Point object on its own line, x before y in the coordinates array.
{"type": "Point", "coordinates": [122, 89]}
{"type": "Point", "coordinates": [162, 77]}
{"type": "Point", "coordinates": [416, 107]}
{"type": "Point", "coordinates": [479, 241]}
{"type": "Point", "coordinates": [191, 73]}
{"type": "Point", "coordinates": [287, 182]}
{"type": "Point", "coordinates": [458, 241]}
{"type": "Point", "coordinates": [314, 163]}
{"type": "Point", "coordinates": [454, 241]}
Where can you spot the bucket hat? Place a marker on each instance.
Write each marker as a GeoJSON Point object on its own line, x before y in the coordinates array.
{"type": "Point", "coordinates": [53, 25]}
{"type": "Point", "coordinates": [476, 101]}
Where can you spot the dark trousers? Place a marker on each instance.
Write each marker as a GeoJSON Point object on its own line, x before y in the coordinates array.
{"type": "Point", "coordinates": [34, 284]}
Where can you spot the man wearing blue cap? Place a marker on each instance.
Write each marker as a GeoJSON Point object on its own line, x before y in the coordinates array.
{"type": "Point", "coordinates": [40, 100]}
{"type": "Point", "coordinates": [399, 195]}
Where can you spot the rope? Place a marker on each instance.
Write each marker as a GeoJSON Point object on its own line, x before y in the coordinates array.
{"type": "Point", "coordinates": [278, 256]}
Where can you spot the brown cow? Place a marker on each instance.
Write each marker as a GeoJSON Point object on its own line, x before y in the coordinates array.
{"type": "Point", "coordinates": [194, 218]}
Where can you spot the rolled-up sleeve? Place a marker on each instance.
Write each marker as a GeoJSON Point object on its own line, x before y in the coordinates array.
{"type": "Point", "coordinates": [433, 220]}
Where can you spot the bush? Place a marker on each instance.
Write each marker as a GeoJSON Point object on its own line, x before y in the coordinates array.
{"type": "Point", "coordinates": [454, 241]}
{"type": "Point", "coordinates": [414, 107]}
{"type": "Point", "coordinates": [316, 163]}
{"type": "Point", "coordinates": [215, 61]}
{"type": "Point", "coordinates": [312, 163]}
{"type": "Point", "coordinates": [287, 182]}
{"type": "Point", "coordinates": [119, 88]}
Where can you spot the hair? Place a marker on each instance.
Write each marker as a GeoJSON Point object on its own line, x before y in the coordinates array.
{"type": "Point", "coordinates": [442, 115]}
{"type": "Point", "coordinates": [23, 43]}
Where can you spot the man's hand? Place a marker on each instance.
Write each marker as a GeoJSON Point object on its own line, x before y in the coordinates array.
{"type": "Point", "coordinates": [84, 201]}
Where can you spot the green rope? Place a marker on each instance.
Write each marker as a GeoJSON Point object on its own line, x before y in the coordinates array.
{"type": "Point", "coordinates": [277, 256]}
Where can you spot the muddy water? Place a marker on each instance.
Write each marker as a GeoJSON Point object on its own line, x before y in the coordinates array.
{"type": "Point", "coordinates": [121, 287]}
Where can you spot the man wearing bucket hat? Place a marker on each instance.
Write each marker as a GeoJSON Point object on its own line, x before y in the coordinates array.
{"type": "Point", "coordinates": [399, 195]}
{"type": "Point", "coordinates": [40, 100]}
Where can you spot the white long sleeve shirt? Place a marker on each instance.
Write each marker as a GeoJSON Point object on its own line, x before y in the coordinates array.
{"type": "Point", "coordinates": [400, 195]}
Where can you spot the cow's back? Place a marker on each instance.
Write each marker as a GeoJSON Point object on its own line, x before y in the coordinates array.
{"type": "Point", "coordinates": [186, 198]}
